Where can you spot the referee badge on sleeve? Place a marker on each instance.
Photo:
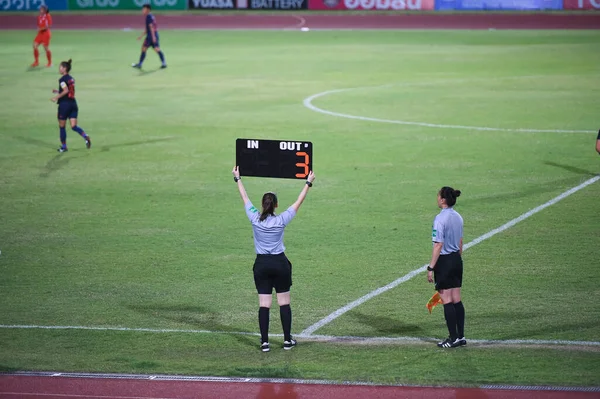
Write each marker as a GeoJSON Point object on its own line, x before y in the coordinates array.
{"type": "Point", "coordinates": [434, 233]}
{"type": "Point", "coordinates": [253, 210]}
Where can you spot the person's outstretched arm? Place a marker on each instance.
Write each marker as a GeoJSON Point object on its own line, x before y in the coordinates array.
{"type": "Point", "coordinates": [240, 185]}
{"type": "Point", "coordinates": [302, 196]}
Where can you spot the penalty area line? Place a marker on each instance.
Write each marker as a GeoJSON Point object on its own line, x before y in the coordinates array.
{"type": "Point", "coordinates": [331, 317]}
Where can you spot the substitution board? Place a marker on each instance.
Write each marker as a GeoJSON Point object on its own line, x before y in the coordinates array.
{"type": "Point", "coordinates": [282, 159]}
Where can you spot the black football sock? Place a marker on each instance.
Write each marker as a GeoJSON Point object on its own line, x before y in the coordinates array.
{"type": "Point", "coordinates": [263, 323]}
{"type": "Point", "coordinates": [285, 312]}
{"type": "Point", "coordinates": [460, 319]}
{"type": "Point", "coordinates": [450, 315]}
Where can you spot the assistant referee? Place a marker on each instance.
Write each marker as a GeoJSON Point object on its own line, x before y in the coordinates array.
{"type": "Point", "coordinates": [598, 143]}
{"type": "Point", "coordinates": [272, 269]}
{"type": "Point", "coordinates": [446, 266]}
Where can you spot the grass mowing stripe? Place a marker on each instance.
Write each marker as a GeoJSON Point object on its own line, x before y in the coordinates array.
{"type": "Point", "coordinates": [329, 338]}
{"type": "Point", "coordinates": [326, 320]}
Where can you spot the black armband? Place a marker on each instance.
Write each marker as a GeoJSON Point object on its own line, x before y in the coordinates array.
{"type": "Point", "coordinates": [309, 184]}
{"type": "Point", "coordinates": [429, 269]}
{"type": "Point", "coordinates": [236, 179]}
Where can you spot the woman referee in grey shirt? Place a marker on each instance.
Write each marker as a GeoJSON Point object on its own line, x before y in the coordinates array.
{"type": "Point", "coordinates": [446, 266]}
{"type": "Point", "coordinates": [272, 269]}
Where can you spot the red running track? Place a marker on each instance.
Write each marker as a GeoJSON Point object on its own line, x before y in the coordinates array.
{"type": "Point", "coordinates": [314, 21]}
{"type": "Point", "coordinates": [19, 387]}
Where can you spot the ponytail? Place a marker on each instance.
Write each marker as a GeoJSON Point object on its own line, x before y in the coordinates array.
{"type": "Point", "coordinates": [67, 65]}
{"type": "Point", "coordinates": [269, 202]}
{"type": "Point", "coordinates": [450, 195]}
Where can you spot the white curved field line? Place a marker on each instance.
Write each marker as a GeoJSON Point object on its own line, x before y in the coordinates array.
{"type": "Point", "coordinates": [308, 103]}
{"type": "Point", "coordinates": [328, 319]}
{"type": "Point", "coordinates": [315, 337]}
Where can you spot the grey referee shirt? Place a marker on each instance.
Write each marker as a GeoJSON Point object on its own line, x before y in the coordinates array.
{"type": "Point", "coordinates": [268, 234]}
{"type": "Point", "coordinates": [448, 229]}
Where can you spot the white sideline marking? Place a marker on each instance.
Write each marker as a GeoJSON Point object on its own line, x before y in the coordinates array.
{"type": "Point", "coordinates": [308, 104]}
{"type": "Point", "coordinates": [312, 337]}
{"type": "Point", "coordinates": [308, 331]}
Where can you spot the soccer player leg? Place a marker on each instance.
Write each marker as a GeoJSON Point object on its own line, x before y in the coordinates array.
{"type": "Point", "coordinates": [62, 122]}
{"type": "Point", "coordinates": [78, 129]}
{"type": "Point", "coordinates": [46, 45]}
{"type": "Point", "coordinates": [598, 143]}
{"type": "Point", "coordinates": [36, 52]}
{"type": "Point", "coordinates": [159, 52]}
{"type": "Point", "coordinates": [147, 43]}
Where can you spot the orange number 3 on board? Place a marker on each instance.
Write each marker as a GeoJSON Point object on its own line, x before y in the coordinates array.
{"type": "Point", "coordinates": [303, 164]}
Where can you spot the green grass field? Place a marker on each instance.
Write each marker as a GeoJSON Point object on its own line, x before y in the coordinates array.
{"type": "Point", "coordinates": [146, 229]}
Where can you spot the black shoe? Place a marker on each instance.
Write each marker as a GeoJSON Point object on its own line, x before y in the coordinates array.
{"type": "Point", "coordinates": [88, 142]}
{"type": "Point", "coordinates": [62, 149]}
{"type": "Point", "coordinates": [448, 343]}
{"type": "Point", "coordinates": [163, 66]}
{"type": "Point", "coordinates": [265, 347]}
{"type": "Point", "coordinates": [462, 341]}
{"type": "Point", "coordinates": [287, 345]}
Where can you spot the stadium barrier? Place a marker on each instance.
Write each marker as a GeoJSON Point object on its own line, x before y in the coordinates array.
{"type": "Point", "coordinates": [291, 5]}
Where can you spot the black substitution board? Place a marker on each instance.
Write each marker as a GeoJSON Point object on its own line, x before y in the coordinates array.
{"type": "Point", "coordinates": [282, 159]}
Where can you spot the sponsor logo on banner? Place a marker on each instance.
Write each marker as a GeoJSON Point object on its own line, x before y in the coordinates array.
{"type": "Point", "coordinates": [278, 4]}
{"type": "Point", "coordinates": [371, 4]}
{"type": "Point", "coordinates": [499, 4]}
{"type": "Point", "coordinates": [383, 4]}
{"type": "Point", "coordinates": [212, 4]}
{"type": "Point", "coordinates": [582, 4]}
{"type": "Point", "coordinates": [242, 3]}
{"type": "Point", "coordinates": [126, 4]}
{"type": "Point", "coordinates": [30, 5]}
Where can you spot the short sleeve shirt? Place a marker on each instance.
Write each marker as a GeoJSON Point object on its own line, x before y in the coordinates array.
{"type": "Point", "coordinates": [268, 234]}
{"type": "Point", "coordinates": [448, 229]}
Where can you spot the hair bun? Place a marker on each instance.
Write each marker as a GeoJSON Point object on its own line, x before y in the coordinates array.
{"type": "Point", "coordinates": [456, 193]}
{"type": "Point", "coordinates": [70, 61]}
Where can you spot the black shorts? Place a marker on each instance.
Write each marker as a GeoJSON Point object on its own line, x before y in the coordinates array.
{"type": "Point", "coordinates": [67, 110]}
{"type": "Point", "coordinates": [448, 271]}
{"type": "Point", "coordinates": [272, 271]}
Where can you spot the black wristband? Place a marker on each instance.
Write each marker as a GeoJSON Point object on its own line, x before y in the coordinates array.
{"type": "Point", "coordinates": [309, 184]}
{"type": "Point", "coordinates": [235, 179]}
{"type": "Point", "coordinates": [429, 269]}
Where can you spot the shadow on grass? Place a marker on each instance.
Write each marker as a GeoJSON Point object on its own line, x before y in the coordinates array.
{"type": "Point", "coordinates": [143, 72]}
{"type": "Point", "coordinates": [570, 168]}
{"type": "Point", "coordinates": [535, 331]}
{"type": "Point", "coordinates": [134, 143]}
{"type": "Point", "coordinates": [7, 369]}
{"type": "Point", "coordinates": [531, 190]}
{"type": "Point", "coordinates": [387, 325]}
{"type": "Point", "coordinates": [197, 317]}
{"type": "Point", "coordinates": [33, 142]}
{"type": "Point", "coordinates": [56, 163]}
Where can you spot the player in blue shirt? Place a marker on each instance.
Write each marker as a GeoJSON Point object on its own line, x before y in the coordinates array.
{"type": "Point", "coordinates": [67, 106]}
{"type": "Point", "coordinates": [151, 38]}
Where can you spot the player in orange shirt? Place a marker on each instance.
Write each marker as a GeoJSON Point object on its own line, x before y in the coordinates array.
{"type": "Point", "coordinates": [44, 22]}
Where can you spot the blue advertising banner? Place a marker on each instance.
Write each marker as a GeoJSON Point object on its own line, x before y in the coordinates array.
{"type": "Point", "coordinates": [32, 5]}
{"type": "Point", "coordinates": [498, 4]}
